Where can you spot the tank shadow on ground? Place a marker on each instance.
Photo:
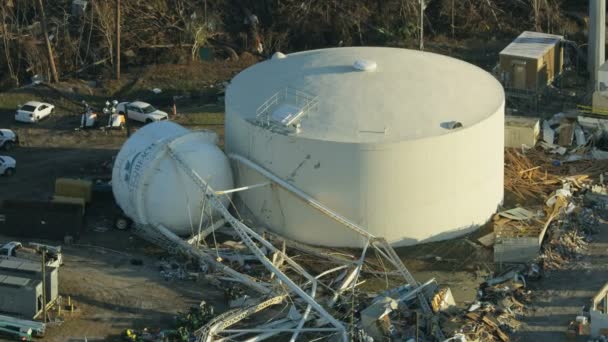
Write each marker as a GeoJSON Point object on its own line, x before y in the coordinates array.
{"type": "Point", "coordinates": [38, 167]}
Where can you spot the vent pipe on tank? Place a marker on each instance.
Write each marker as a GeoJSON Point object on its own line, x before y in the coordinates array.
{"type": "Point", "coordinates": [597, 39]}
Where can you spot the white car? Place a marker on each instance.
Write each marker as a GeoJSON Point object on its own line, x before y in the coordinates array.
{"type": "Point", "coordinates": [141, 111]}
{"type": "Point", "coordinates": [8, 139]}
{"type": "Point", "coordinates": [33, 111]}
{"type": "Point", "coordinates": [7, 166]}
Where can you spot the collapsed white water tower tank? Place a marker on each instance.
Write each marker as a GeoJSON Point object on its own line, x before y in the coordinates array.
{"type": "Point", "coordinates": [149, 186]}
{"type": "Point", "coordinates": [407, 144]}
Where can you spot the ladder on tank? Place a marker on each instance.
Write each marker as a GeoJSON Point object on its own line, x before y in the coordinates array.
{"type": "Point", "coordinates": [248, 236]}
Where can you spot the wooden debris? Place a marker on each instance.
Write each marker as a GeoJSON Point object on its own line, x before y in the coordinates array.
{"type": "Point", "coordinates": [526, 178]}
{"type": "Point", "coordinates": [487, 324]}
{"type": "Point", "coordinates": [534, 175]}
{"type": "Point", "coordinates": [488, 240]}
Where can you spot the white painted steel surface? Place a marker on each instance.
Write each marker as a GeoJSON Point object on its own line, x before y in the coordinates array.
{"type": "Point", "coordinates": [151, 189]}
{"type": "Point", "coordinates": [374, 149]}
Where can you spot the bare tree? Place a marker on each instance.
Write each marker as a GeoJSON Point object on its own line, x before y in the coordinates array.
{"type": "Point", "coordinates": [6, 43]}
{"type": "Point", "coordinates": [117, 23]}
{"type": "Point", "coordinates": [49, 48]}
{"type": "Point", "coordinates": [179, 28]}
{"type": "Point", "coordinates": [104, 25]}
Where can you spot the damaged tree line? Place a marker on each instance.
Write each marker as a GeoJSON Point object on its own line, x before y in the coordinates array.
{"type": "Point", "coordinates": [83, 33]}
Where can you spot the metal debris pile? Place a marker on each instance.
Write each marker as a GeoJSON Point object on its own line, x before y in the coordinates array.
{"type": "Point", "coordinates": [571, 137]}
{"type": "Point", "coordinates": [365, 294]}
{"type": "Point", "coordinates": [569, 234]}
{"type": "Point", "coordinates": [574, 202]}
{"type": "Point", "coordinates": [279, 288]}
{"type": "Point", "coordinates": [566, 200]}
{"type": "Point", "coordinates": [172, 269]}
{"type": "Point", "coordinates": [501, 301]}
{"type": "Point", "coordinates": [562, 246]}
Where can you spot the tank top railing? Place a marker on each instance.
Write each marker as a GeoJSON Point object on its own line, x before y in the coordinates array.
{"type": "Point", "coordinates": [302, 101]}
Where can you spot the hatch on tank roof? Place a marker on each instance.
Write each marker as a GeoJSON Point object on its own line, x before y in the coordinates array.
{"type": "Point", "coordinates": [365, 65]}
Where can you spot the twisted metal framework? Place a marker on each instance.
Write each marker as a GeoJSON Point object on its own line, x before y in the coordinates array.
{"type": "Point", "coordinates": [314, 300]}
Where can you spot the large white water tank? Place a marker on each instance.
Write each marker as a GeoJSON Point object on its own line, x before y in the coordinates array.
{"type": "Point", "coordinates": [407, 144]}
{"type": "Point", "coordinates": [149, 186]}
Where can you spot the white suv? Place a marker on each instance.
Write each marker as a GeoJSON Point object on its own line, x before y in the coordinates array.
{"type": "Point", "coordinates": [7, 166]}
{"type": "Point", "coordinates": [8, 139]}
{"type": "Point", "coordinates": [141, 111]}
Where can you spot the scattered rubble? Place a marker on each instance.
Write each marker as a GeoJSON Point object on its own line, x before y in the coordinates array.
{"type": "Point", "coordinates": [172, 269]}
{"type": "Point", "coordinates": [572, 190]}
{"type": "Point", "coordinates": [561, 182]}
{"type": "Point", "coordinates": [185, 324]}
{"type": "Point", "coordinates": [500, 302]}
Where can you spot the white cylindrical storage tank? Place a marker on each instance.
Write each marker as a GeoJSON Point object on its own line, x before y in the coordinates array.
{"type": "Point", "coordinates": [150, 187]}
{"type": "Point", "coordinates": [407, 144]}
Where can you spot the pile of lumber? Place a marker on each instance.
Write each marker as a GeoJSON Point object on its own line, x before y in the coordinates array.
{"type": "Point", "coordinates": [526, 175]}
{"type": "Point", "coordinates": [536, 174]}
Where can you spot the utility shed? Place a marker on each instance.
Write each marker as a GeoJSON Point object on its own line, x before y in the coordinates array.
{"type": "Point", "coordinates": [20, 296]}
{"type": "Point", "coordinates": [26, 269]}
{"type": "Point", "coordinates": [532, 61]}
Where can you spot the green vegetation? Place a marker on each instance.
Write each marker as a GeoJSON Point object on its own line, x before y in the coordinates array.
{"type": "Point", "coordinates": [10, 100]}
{"type": "Point", "coordinates": [209, 115]}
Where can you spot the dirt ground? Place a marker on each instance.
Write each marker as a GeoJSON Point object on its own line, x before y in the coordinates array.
{"type": "Point", "coordinates": [111, 294]}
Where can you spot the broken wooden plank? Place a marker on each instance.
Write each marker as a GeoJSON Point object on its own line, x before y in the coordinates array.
{"type": "Point", "coordinates": [488, 240]}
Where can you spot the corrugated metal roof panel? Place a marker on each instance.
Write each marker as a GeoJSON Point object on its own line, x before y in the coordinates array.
{"type": "Point", "coordinates": [14, 281]}
{"type": "Point", "coordinates": [20, 265]}
{"type": "Point", "coordinates": [12, 264]}
{"type": "Point", "coordinates": [30, 267]}
{"type": "Point", "coordinates": [531, 44]}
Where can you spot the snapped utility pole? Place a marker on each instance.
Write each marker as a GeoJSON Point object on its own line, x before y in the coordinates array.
{"type": "Point", "coordinates": [117, 64]}
{"type": "Point", "coordinates": [49, 49]}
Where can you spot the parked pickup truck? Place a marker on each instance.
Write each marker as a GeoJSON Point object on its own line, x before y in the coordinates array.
{"type": "Point", "coordinates": [15, 250]}
{"type": "Point", "coordinates": [8, 139]}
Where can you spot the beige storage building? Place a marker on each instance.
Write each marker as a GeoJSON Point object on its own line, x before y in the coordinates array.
{"type": "Point", "coordinates": [532, 61]}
